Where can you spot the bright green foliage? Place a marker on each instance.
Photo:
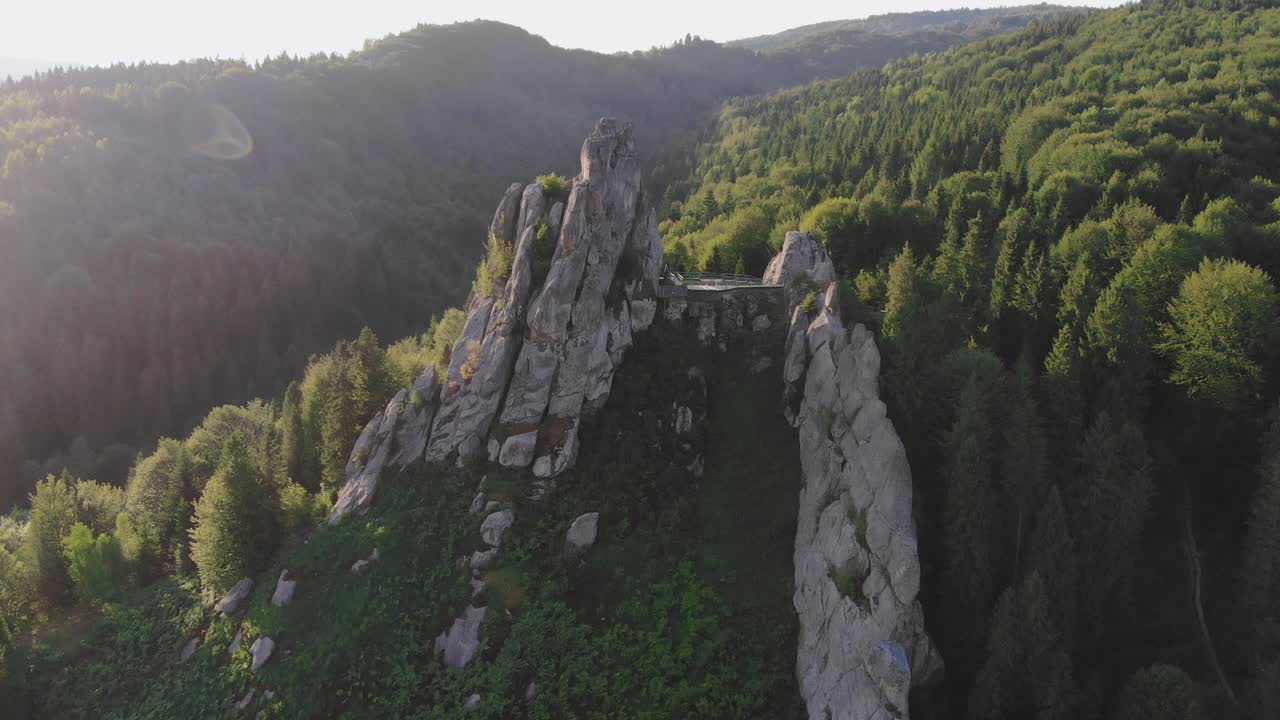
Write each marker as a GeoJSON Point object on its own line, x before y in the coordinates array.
{"type": "Point", "coordinates": [340, 393]}
{"type": "Point", "coordinates": [95, 565]}
{"type": "Point", "coordinates": [872, 288]}
{"type": "Point", "coordinates": [554, 186]}
{"type": "Point", "coordinates": [254, 423]}
{"type": "Point", "coordinates": [99, 504]}
{"type": "Point", "coordinates": [292, 441]}
{"type": "Point", "coordinates": [1027, 672]}
{"type": "Point", "coordinates": [53, 514]}
{"type": "Point", "coordinates": [494, 269]}
{"type": "Point", "coordinates": [1223, 326]}
{"type": "Point", "coordinates": [1158, 692]}
{"type": "Point", "coordinates": [18, 587]}
{"type": "Point", "coordinates": [157, 501]}
{"type": "Point", "coordinates": [409, 357]}
{"type": "Point", "coordinates": [224, 530]}
{"type": "Point", "coordinates": [901, 287]}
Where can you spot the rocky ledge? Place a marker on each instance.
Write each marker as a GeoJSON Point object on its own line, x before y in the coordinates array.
{"type": "Point", "coordinates": [863, 643]}
{"type": "Point", "coordinates": [537, 352]}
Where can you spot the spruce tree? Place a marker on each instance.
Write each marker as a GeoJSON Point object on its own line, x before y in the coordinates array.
{"type": "Point", "coordinates": [222, 542]}
{"type": "Point", "coordinates": [970, 540]}
{"type": "Point", "coordinates": [1027, 673]}
{"type": "Point", "coordinates": [1023, 474]}
{"type": "Point", "coordinates": [1052, 554]}
{"type": "Point", "coordinates": [291, 436]}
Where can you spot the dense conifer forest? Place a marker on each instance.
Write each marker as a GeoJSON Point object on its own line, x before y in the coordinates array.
{"type": "Point", "coordinates": [1072, 232]}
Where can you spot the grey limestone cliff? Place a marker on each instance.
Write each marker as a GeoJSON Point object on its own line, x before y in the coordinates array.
{"type": "Point", "coordinates": [862, 644]}
{"type": "Point", "coordinates": [536, 353]}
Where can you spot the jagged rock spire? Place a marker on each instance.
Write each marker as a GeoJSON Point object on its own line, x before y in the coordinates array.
{"type": "Point", "coordinates": [533, 355]}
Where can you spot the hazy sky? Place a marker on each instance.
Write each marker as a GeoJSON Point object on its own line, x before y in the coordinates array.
{"type": "Point", "coordinates": [102, 31]}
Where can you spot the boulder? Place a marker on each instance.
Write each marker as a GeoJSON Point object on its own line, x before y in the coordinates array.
{"type": "Point", "coordinates": [477, 504]}
{"type": "Point", "coordinates": [581, 535]}
{"type": "Point", "coordinates": [482, 560]}
{"type": "Point", "coordinates": [472, 702]}
{"type": "Point", "coordinates": [189, 649]}
{"type": "Point", "coordinates": [459, 644]}
{"type": "Point", "coordinates": [495, 527]}
{"type": "Point", "coordinates": [761, 323]}
{"type": "Point", "coordinates": [235, 597]}
{"type": "Point", "coordinates": [284, 590]}
{"type": "Point", "coordinates": [244, 701]}
{"type": "Point", "coordinates": [370, 455]}
{"type": "Point", "coordinates": [360, 568]}
{"type": "Point", "coordinates": [801, 253]}
{"type": "Point", "coordinates": [236, 641]}
{"type": "Point", "coordinates": [261, 651]}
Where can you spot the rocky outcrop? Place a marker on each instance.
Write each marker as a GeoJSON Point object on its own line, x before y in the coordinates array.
{"type": "Point", "coordinates": [863, 644]}
{"type": "Point", "coordinates": [537, 352]}
{"type": "Point", "coordinates": [235, 597]}
{"type": "Point", "coordinates": [284, 590]}
{"type": "Point", "coordinates": [801, 253]}
{"type": "Point", "coordinates": [261, 651]}
{"type": "Point", "coordinates": [581, 535]}
{"type": "Point", "coordinates": [458, 645]}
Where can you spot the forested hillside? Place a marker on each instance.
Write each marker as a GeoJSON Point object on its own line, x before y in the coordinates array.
{"type": "Point", "coordinates": [1074, 233]}
{"type": "Point", "coordinates": [180, 236]}
{"type": "Point", "coordinates": [911, 27]}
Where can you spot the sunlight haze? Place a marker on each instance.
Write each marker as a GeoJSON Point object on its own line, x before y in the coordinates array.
{"type": "Point", "coordinates": [161, 30]}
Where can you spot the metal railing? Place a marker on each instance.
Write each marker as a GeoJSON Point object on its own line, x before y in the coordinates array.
{"type": "Point", "coordinates": [710, 280]}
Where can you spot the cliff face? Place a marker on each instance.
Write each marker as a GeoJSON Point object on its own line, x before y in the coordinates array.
{"type": "Point", "coordinates": [862, 644]}
{"type": "Point", "coordinates": [539, 351]}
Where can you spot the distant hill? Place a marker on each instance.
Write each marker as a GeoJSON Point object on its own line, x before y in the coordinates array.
{"type": "Point", "coordinates": [945, 25]}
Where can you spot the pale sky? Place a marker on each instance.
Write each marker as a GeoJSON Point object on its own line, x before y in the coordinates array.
{"type": "Point", "coordinates": [103, 31]}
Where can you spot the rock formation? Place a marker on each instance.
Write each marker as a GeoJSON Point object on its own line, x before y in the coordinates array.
{"type": "Point", "coordinates": [284, 590]}
{"type": "Point", "coordinates": [536, 353]}
{"type": "Point", "coordinates": [863, 643]}
{"type": "Point", "coordinates": [235, 597]}
{"type": "Point", "coordinates": [261, 652]}
{"type": "Point", "coordinates": [581, 535]}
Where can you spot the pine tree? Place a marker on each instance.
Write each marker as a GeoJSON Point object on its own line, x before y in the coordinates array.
{"type": "Point", "coordinates": [1023, 473]}
{"type": "Point", "coordinates": [1159, 692]}
{"type": "Point", "coordinates": [901, 290]}
{"type": "Point", "coordinates": [970, 503]}
{"type": "Point", "coordinates": [1027, 673]}
{"type": "Point", "coordinates": [222, 542]}
{"type": "Point", "coordinates": [1052, 554]}
{"type": "Point", "coordinates": [1109, 508]}
{"type": "Point", "coordinates": [291, 437]}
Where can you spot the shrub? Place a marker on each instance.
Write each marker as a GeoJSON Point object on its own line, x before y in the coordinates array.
{"type": "Point", "coordinates": [872, 288]}
{"type": "Point", "coordinates": [494, 269]}
{"type": "Point", "coordinates": [95, 564]}
{"type": "Point", "coordinates": [810, 302]}
{"type": "Point", "coordinates": [554, 186]}
{"type": "Point", "coordinates": [99, 504]}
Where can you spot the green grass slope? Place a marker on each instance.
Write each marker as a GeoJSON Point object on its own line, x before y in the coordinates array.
{"type": "Point", "coordinates": [681, 609]}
